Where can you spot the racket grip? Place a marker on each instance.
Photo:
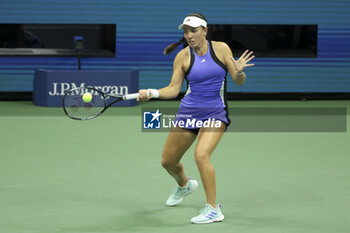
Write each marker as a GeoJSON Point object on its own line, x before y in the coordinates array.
{"type": "Point", "coordinates": [131, 96]}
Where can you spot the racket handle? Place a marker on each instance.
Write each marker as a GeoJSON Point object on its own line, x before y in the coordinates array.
{"type": "Point", "coordinates": [131, 96]}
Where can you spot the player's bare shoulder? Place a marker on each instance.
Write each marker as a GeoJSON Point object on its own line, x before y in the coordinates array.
{"type": "Point", "coordinates": [222, 51]}
{"type": "Point", "coordinates": [221, 47]}
{"type": "Point", "coordinates": [183, 58]}
{"type": "Point", "coordinates": [183, 53]}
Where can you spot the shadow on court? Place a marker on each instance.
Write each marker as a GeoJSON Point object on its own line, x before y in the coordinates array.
{"type": "Point", "coordinates": [158, 219]}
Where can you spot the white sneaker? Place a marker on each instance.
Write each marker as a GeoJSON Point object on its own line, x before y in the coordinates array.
{"type": "Point", "coordinates": [208, 215]}
{"type": "Point", "coordinates": [179, 193]}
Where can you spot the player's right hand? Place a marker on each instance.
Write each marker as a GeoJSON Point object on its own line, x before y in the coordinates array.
{"type": "Point", "coordinates": [144, 95]}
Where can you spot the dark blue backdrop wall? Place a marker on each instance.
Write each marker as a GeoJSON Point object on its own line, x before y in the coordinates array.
{"type": "Point", "coordinates": [144, 28]}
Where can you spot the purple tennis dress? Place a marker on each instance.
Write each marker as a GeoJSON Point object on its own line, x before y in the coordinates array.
{"type": "Point", "coordinates": [205, 98]}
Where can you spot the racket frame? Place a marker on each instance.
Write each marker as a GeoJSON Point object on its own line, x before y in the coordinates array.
{"type": "Point", "coordinates": [104, 95]}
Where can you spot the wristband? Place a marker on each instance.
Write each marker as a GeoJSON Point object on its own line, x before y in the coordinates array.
{"type": "Point", "coordinates": [154, 93]}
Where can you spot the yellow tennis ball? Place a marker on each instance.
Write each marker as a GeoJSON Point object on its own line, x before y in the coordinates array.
{"type": "Point", "coordinates": [87, 97]}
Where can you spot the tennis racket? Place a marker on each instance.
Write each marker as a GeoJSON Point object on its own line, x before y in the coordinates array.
{"type": "Point", "coordinates": [78, 107]}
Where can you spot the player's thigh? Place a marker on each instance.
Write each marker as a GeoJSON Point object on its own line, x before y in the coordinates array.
{"type": "Point", "coordinates": [177, 143]}
{"type": "Point", "coordinates": [208, 139]}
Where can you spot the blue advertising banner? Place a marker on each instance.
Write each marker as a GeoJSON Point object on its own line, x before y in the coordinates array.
{"type": "Point", "coordinates": [49, 86]}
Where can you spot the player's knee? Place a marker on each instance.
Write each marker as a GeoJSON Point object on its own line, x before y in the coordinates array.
{"type": "Point", "coordinates": [201, 158]}
{"type": "Point", "coordinates": [168, 160]}
{"type": "Point", "coordinates": [166, 163]}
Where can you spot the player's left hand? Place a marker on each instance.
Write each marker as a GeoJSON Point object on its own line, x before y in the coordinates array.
{"type": "Point", "coordinates": [242, 62]}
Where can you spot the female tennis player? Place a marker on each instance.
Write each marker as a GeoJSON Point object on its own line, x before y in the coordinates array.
{"type": "Point", "coordinates": [204, 64]}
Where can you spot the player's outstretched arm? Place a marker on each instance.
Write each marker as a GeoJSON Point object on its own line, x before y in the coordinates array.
{"type": "Point", "coordinates": [236, 67]}
{"type": "Point", "coordinates": [173, 89]}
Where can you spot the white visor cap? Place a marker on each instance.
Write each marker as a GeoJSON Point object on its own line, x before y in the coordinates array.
{"type": "Point", "coordinates": [193, 21]}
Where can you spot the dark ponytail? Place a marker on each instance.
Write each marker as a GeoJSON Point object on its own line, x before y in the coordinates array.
{"type": "Point", "coordinates": [173, 46]}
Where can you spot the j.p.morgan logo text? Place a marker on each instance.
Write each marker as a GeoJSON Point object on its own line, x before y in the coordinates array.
{"type": "Point", "coordinates": [61, 88]}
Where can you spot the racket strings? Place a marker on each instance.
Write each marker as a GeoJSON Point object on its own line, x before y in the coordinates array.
{"type": "Point", "coordinates": [76, 107]}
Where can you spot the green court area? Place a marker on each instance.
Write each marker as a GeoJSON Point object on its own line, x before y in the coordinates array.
{"type": "Point", "coordinates": [59, 175]}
